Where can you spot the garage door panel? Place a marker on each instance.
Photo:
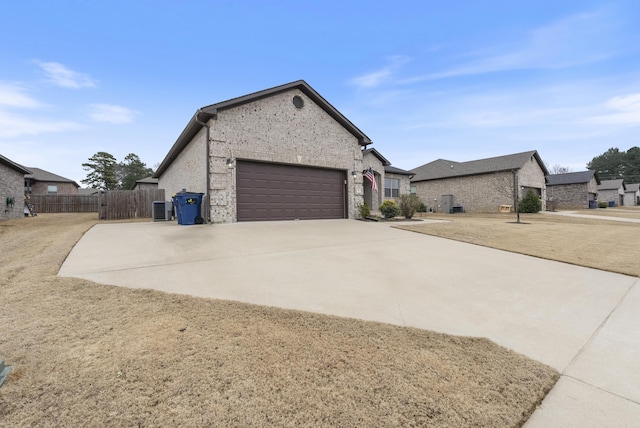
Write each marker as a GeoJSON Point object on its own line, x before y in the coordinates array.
{"type": "Point", "coordinates": [268, 191]}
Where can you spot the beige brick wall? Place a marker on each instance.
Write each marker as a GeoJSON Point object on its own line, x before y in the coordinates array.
{"type": "Point", "coordinates": [573, 196]}
{"type": "Point", "coordinates": [42, 188]}
{"type": "Point", "coordinates": [482, 193]}
{"type": "Point", "coordinates": [270, 130]}
{"type": "Point", "coordinates": [11, 185]}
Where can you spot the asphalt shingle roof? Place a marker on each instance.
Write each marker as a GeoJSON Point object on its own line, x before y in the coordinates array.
{"type": "Point", "coordinates": [393, 170]}
{"type": "Point", "coordinates": [11, 164]}
{"type": "Point", "coordinates": [38, 174]}
{"type": "Point", "coordinates": [611, 184]}
{"type": "Point", "coordinates": [571, 178]}
{"type": "Point", "coordinates": [443, 168]}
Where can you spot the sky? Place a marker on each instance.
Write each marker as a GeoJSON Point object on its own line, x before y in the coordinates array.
{"type": "Point", "coordinates": [425, 80]}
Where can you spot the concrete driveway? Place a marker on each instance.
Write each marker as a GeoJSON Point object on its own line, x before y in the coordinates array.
{"type": "Point", "coordinates": [583, 322]}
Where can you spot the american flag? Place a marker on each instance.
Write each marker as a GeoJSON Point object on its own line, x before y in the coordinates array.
{"type": "Point", "coordinates": [372, 178]}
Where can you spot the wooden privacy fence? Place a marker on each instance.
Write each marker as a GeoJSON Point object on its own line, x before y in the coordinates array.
{"type": "Point", "coordinates": [123, 204]}
{"type": "Point", "coordinates": [64, 203]}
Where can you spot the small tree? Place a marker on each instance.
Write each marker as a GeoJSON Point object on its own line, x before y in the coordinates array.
{"type": "Point", "coordinates": [409, 204]}
{"type": "Point", "coordinates": [531, 203]}
{"type": "Point", "coordinates": [364, 210]}
{"type": "Point", "coordinates": [389, 209]}
{"type": "Point", "coordinates": [131, 170]}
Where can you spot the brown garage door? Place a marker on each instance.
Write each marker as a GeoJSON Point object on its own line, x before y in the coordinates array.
{"type": "Point", "coordinates": [267, 191]}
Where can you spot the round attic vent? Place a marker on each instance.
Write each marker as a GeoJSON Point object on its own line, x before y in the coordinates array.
{"type": "Point", "coordinates": [298, 101]}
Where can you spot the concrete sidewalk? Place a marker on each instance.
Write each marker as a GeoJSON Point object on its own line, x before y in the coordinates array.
{"type": "Point", "coordinates": [583, 322]}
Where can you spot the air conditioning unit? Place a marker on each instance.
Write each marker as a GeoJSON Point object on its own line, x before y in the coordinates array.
{"type": "Point", "coordinates": [162, 210]}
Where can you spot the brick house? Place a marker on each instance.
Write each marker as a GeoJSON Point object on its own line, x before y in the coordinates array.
{"type": "Point", "coordinates": [148, 183]}
{"type": "Point", "coordinates": [481, 185]}
{"type": "Point", "coordinates": [632, 195]}
{"type": "Point", "coordinates": [391, 182]}
{"type": "Point", "coordinates": [277, 154]}
{"type": "Point", "coordinates": [41, 182]}
{"type": "Point", "coordinates": [612, 191]}
{"type": "Point", "coordinates": [11, 189]}
{"type": "Point", "coordinates": [573, 190]}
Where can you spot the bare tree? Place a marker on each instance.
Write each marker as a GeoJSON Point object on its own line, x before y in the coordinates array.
{"type": "Point", "coordinates": [559, 169]}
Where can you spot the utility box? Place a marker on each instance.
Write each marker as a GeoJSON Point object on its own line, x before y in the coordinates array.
{"type": "Point", "coordinates": [162, 210]}
{"type": "Point", "coordinates": [446, 204]}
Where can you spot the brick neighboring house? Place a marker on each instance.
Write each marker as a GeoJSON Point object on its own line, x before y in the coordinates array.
{"type": "Point", "coordinates": [278, 154]}
{"type": "Point", "coordinates": [41, 182]}
{"type": "Point", "coordinates": [148, 183]}
{"type": "Point", "coordinates": [612, 191]}
{"type": "Point", "coordinates": [632, 195]}
{"type": "Point", "coordinates": [11, 189]}
{"type": "Point", "coordinates": [573, 190]}
{"type": "Point", "coordinates": [481, 185]}
{"type": "Point", "coordinates": [390, 181]}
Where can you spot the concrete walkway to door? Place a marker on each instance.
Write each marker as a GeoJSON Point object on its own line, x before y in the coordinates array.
{"type": "Point", "coordinates": [583, 322]}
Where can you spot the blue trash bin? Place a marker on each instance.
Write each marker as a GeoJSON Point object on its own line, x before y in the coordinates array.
{"type": "Point", "coordinates": [592, 204]}
{"type": "Point", "coordinates": [612, 204]}
{"type": "Point", "coordinates": [188, 207]}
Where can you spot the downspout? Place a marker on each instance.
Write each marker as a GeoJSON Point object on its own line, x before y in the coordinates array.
{"type": "Point", "coordinates": [207, 209]}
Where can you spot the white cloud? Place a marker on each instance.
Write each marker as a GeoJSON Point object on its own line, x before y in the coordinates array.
{"type": "Point", "coordinates": [579, 39]}
{"type": "Point", "coordinates": [111, 113]}
{"type": "Point", "coordinates": [376, 78]}
{"type": "Point", "coordinates": [14, 96]}
{"type": "Point", "coordinates": [60, 75]}
{"type": "Point", "coordinates": [626, 111]}
{"type": "Point", "coordinates": [13, 125]}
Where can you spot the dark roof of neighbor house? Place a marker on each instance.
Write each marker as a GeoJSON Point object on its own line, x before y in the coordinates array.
{"type": "Point", "coordinates": [612, 184]}
{"type": "Point", "coordinates": [11, 164]}
{"type": "Point", "coordinates": [88, 192]}
{"type": "Point", "coordinates": [377, 154]}
{"type": "Point", "coordinates": [393, 170]}
{"type": "Point", "coordinates": [572, 178]}
{"type": "Point", "coordinates": [205, 113]}
{"type": "Point", "coordinates": [635, 187]}
{"type": "Point", "coordinates": [146, 180]}
{"type": "Point", "coordinates": [443, 168]}
{"type": "Point", "coordinates": [38, 174]}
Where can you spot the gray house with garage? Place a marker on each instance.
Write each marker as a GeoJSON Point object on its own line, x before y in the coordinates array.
{"type": "Point", "coordinates": [632, 195]}
{"type": "Point", "coordinates": [483, 185]}
{"type": "Point", "coordinates": [612, 191]}
{"type": "Point", "coordinates": [279, 154]}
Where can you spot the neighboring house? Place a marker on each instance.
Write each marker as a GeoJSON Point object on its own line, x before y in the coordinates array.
{"type": "Point", "coordinates": [573, 190]}
{"type": "Point", "coordinates": [148, 183]}
{"type": "Point", "coordinates": [88, 192]}
{"type": "Point", "coordinates": [482, 185]}
{"type": "Point", "coordinates": [278, 154]}
{"type": "Point", "coordinates": [612, 191]}
{"type": "Point", "coordinates": [632, 195]}
{"type": "Point", "coordinates": [391, 182]}
{"type": "Point", "coordinates": [41, 182]}
{"type": "Point", "coordinates": [11, 189]}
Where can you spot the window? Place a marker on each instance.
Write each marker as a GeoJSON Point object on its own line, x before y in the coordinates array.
{"type": "Point", "coordinates": [414, 190]}
{"type": "Point", "coordinates": [52, 190]}
{"type": "Point", "coordinates": [391, 187]}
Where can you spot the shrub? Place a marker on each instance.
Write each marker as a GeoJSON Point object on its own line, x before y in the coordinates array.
{"type": "Point", "coordinates": [423, 208]}
{"type": "Point", "coordinates": [389, 209]}
{"type": "Point", "coordinates": [602, 204]}
{"type": "Point", "coordinates": [409, 204]}
{"type": "Point", "coordinates": [364, 210]}
{"type": "Point", "coordinates": [531, 203]}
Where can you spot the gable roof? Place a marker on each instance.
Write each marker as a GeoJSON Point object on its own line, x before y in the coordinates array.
{"type": "Point", "coordinates": [443, 168]}
{"type": "Point", "coordinates": [377, 154]}
{"type": "Point", "coordinates": [635, 187]}
{"type": "Point", "coordinates": [572, 178]}
{"type": "Point", "coordinates": [612, 184]}
{"type": "Point", "coordinates": [11, 164]}
{"type": "Point", "coordinates": [38, 174]}
{"type": "Point", "coordinates": [393, 170]}
{"type": "Point", "coordinates": [205, 113]}
{"type": "Point", "coordinates": [146, 180]}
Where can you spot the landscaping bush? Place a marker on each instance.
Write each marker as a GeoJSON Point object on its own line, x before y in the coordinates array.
{"type": "Point", "coordinates": [364, 210]}
{"type": "Point", "coordinates": [423, 208]}
{"type": "Point", "coordinates": [389, 209]}
{"type": "Point", "coordinates": [409, 204]}
{"type": "Point", "coordinates": [531, 203]}
{"type": "Point", "coordinates": [602, 204]}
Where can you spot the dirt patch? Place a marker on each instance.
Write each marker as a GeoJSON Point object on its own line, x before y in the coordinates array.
{"type": "Point", "coordinates": [97, 355]}
{"type": "Point", "coordinates": [591, 242]}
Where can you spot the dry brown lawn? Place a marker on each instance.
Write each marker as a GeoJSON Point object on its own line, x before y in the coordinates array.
{"type": "Point", "coordinates": [86, 354]}
{"type": "Point", "coordinates": [592, 242]}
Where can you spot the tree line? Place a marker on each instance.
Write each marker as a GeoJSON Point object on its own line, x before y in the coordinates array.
{"type": "Point", "coordinates": [106, 173]}
{"type": "Point", "coordinates": [615, 164]}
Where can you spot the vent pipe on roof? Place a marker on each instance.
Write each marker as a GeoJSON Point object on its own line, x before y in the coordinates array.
{"type": "Point", "coordinates": [207, 205]}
